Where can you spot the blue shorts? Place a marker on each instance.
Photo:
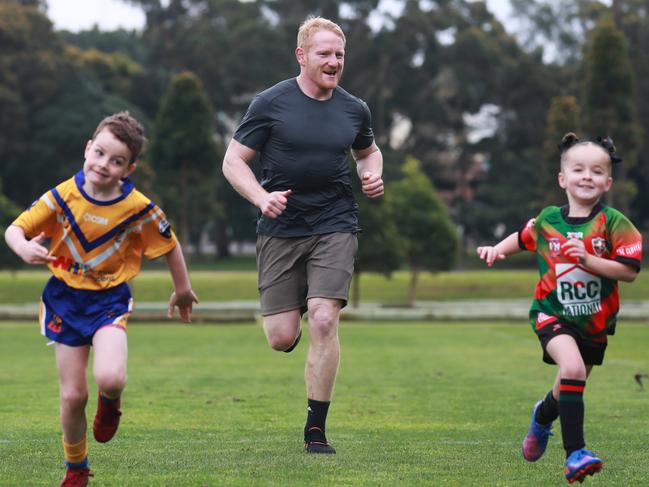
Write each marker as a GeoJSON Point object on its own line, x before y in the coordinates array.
{"type": "Point", "coordinates": [73, 316]}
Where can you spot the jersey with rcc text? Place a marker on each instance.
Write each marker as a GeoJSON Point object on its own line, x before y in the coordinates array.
{"type": "Point", "coordinates": [566, 291]}
{"type": "Point", "coordinates": [303, 146]}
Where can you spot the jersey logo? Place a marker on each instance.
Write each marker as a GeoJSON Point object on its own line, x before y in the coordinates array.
{"type": "Point", "coordinates": [95, 219]}
{"type": "Point", "coordinates": [164, 228]}
{"type": "Point", "coordinates": [578, 290]}
{"type": "Point", "coordinates": [55, 324]}
{"type": "Point", "coordinates": [599, 246]}
{"type": "Point", "coordinates": [555, 246]}
{"type": "Point", "coordinates": [577, 235]}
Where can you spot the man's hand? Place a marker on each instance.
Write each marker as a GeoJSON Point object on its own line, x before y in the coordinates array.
{"type": "Point", "coordinates": [372, 185]}
{"type": "Point", "coordinates": [33, 252]}
{"type": "Point", "coordinates": [185, 302]}
{"type": "Point", "coordinates": [273, 204]}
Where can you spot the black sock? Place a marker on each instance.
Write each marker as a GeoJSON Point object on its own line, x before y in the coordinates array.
{"type": "Point", "coordinates": [571, 413]}
{"type": "Point", "coordinates": [316, 418]}
{"type": "Point", "coordinates": [548, 411]}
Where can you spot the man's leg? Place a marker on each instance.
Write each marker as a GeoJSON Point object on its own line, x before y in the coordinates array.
{"type": "Point", "coordinates": [321, 369]}
{"type": "Point", "coordinates": [71, 363]}
{"type": "Point", "coordinates": [282, 330]}
{"type": "Point", "coordinates": [109, 368]}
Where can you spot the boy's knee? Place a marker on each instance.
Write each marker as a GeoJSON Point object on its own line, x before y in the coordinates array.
{"type": "Point", "coordinates": [74, 398]}
{"type": "Point", "coordinates": [111, 383]}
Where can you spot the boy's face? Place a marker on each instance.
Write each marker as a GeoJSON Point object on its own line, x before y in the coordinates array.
{"type": "Point", "coordinates": [586, 174]}
{"type": "Point", "coordinates": [107, 161]}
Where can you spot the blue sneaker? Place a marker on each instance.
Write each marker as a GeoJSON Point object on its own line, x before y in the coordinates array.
{"type": "Point", "coordinates": [581, 463]}
{"type": "Point", "coordinates": [536, 441]}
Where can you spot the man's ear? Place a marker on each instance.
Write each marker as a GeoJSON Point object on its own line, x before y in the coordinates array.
{"type": "Point", "coordinates": [300, 56]}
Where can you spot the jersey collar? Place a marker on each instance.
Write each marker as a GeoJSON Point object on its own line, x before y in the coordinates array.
{"type": "Point", "coordinates": [127, 187]}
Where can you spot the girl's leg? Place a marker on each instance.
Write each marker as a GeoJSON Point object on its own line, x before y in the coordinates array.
{"type": "Point", "coordinates": [109, 368]}
{"type": "Point", "coordinates": [71, 363]}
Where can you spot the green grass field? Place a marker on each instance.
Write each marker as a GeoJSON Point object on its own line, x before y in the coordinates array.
{"type": "Point", "coordinates": [26, 286]}
{"type": "Point", "coordinates": [415, 404]}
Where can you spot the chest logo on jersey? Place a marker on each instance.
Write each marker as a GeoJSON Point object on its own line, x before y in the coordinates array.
{"type": "Point", "coordinates": [88, 217]}
{"type": "Point", "coordinates": [578, 290]}
{"type": "Point", "coordinates": [599, 246]}
{"type": "Point", "coordinates": [577, 235]}
{"type": "Point", "coordinates": [555, 246]}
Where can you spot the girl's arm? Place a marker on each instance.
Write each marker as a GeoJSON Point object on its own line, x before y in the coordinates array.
{"type": "Point", "coordinates": [610, 269]}
{"type": "Point", "coordinates": [500, 251]}
{"type": "Point", "coordinates": [183, 295]}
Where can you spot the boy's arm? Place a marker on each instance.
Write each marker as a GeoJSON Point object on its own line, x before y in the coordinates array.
{"type": "Point", "coordinates": [31, 251]}
{"type": "Point", "coordinates": [502, 249]}
{"type": "Point", "coordinates": [183, 296]}
{"type": "Point", "coordinates": [611, 269]}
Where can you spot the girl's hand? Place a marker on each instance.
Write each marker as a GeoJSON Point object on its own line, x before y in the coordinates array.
{"type": "Point", "coordinates": [490, 254]}
{"type": "Point", "coordinates": [575, 250]}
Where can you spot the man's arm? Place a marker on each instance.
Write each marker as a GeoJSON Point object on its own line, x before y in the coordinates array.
{"type": "Point", "coordinates": [369, 165]}
{"type": "Point", "coordinates": [236, 169]}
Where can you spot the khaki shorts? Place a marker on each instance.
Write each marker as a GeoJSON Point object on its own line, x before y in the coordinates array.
{"type": "Point", "coordinates": [293, 270]}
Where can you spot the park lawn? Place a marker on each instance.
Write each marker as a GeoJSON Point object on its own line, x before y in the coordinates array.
{"type": "Point", "coordinates": [415, 404]}
{"type": "Point", "coordinates": [26, 286]}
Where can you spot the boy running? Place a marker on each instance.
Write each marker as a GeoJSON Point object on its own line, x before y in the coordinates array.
{"type": "Point", "coordinates": [99, 226]}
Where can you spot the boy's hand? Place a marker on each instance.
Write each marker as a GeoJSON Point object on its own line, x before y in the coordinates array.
{"type": "Point", "coordinates": [33, 251]}
{"type": "Point", "coordinates": [185, 303]}
{"type": "Point", "coordinates": [490, 254]}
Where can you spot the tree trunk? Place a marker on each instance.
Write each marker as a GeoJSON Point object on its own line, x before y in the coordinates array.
{"type": "Point", "coordinates": [222, 240]}
{"type": "Point", "coordinates": [183, 225]}
{"type": "Point", "coordinates": [356, 289]}
{"type": "Point", "coordinates": [412, 288]}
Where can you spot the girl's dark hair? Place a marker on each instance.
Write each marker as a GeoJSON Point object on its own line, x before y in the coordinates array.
{"type": "Point", "coordinates": [570, 140]}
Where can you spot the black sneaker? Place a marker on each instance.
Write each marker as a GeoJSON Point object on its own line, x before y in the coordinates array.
{"type": "Point", "coordinates": [297, 340]}
{"type": "Point", "coordinates": [315, 441]}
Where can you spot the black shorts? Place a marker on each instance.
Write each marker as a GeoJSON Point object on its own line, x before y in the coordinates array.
{"type": "Point", "coordinates": [591, 352]}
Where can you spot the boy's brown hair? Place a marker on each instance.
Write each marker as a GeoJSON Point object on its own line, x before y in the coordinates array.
{"type": "Point", "coordinates": [125, 129]}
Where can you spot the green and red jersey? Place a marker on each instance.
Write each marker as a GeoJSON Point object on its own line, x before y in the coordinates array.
{"type": "Point", "coordinates": [566, 291]}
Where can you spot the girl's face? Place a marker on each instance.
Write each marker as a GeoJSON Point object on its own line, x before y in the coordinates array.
{"type": "Point", "coordinates": [585, 174]}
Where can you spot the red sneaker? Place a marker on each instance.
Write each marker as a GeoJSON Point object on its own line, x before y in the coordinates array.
{"type": "Point", "coordinates": [106, 420]}
{"type": "Point", "coordinates": [76, 477]}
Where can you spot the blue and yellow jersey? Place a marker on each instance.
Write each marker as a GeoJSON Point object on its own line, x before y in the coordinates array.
{"type": "Point", "coordinates": [97, 244]}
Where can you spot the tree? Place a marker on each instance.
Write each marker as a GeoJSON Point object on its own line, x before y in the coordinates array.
{"type": "Point", "coordinates": [185, 156]}
{"type": "Point", "coordinates": [563, 117]}
{"type": "Point", "coordinates": [380, 246]}
{"type": "Point", "coordinates": [608, 102]}
{"type": "Point", "coordinates": [8, 212]}
{"type": "Point", "coordinates": [431, 240]}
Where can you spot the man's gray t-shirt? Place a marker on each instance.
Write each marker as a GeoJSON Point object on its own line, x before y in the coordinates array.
{"type": "Point", "coordinates": [303, 145]}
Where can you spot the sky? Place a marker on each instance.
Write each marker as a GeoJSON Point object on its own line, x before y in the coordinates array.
{"type": "Point", "coordinates": [74, 15]}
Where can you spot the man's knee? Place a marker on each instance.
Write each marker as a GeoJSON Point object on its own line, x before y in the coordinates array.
{"type": "Point", "coordinates": [282, 330]}
{"type": "Point", "coordinates": [280, 340]}
{"type": "Point", "coordinates": [323, 321]}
